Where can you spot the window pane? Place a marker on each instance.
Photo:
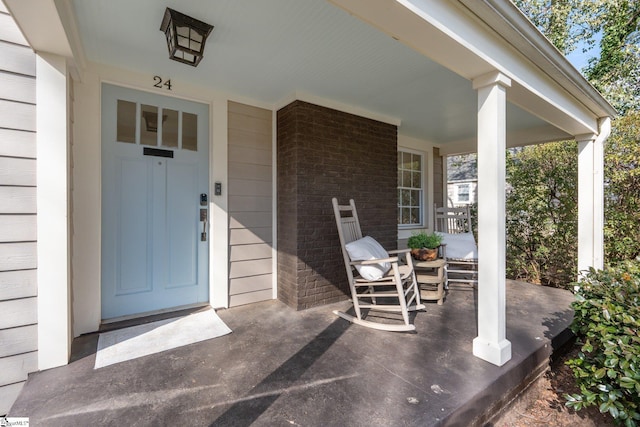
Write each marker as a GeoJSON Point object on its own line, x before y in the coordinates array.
{"type": "Point", "coordinates": [416, 163]}
{"type": "Point", "coordinates": [126, 122]}
{"type": "Point", "coordinates": [416, 178]}
{"type": "Point", "coordinates": [189, 132]}
{"type": "Point", "coordinates": [415, 198]}
{"type": "Point", "coordinates": [405, 197]}
{"type": "Point", "coordinates": [406, 160]}
{"type": "Point", "coordinates": [406, 179]}
{"type": "Point", "coordinates": [149, 125]}
{"type": "Point", "coordinates": [415, 216]}
{"type": "Point", "coordinates": [406, 216]}
{"type": "Point", "coordinates": [169, 128]}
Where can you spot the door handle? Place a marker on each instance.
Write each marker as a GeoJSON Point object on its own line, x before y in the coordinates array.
{"type": "Point", "coordinates": [203, 219]}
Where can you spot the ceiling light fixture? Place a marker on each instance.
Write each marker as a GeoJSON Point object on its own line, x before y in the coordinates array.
{"type": "Point", "coordinates": [185, 35]}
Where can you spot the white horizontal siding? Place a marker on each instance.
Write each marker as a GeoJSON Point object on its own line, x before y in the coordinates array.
{"type": "Point", "coordinates": [250, 156]}
{"type": "Point", "coordinates": [250, 204]}
{"type": "Point", "coordinates": [18, 312]}
{"type": "Point", "coordinates": [14, 171]}
{"type": "Point", "coordinates": [250, 219]}
{"type": "Point", "coordinates": [16, 368]}
{"type": "Point", "coordinates": [18, 247]}
{"type": "Point", "coordinates": [16, 115]}
{"type": "Point", "coordinates": [17, 256]}
{"type": "Point", "coordinates": [17, 59]}
{"type": "Point", "coordinates": [17, 200]}
{"type": "Point", "coordinates": [246, 187]}
{"type": "Point", "coordinates": [238, 170]}
{"type": "Point", "coordinates": [17, 228]}
{"type": "Point", "coordinates": [254, 267]}
{"type": "Point", "coordinates": [18, 340]}
{"type": "Point", "coordinates": [16, 87]}
{"type": "Point", "coordinates": [16, 143]}
{"type": "Point", "coordinates": [18, 284]}
{"type": "Point", "coordinates": [250, 297]}
{"type": "Point", "coordinates": [9, 31]}
{"type": "Point", "coordinates": [250, 252]}
{"type": "Point", "coordinates": [244, 285]}
{"type": "Point", "coordinates": [250, 235]}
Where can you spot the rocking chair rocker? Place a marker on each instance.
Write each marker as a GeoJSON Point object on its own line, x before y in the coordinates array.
{"type": "Point", "coordinates": [379, 276]}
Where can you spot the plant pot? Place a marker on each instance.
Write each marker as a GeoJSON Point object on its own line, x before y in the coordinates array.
{"type": "Point", "coordinates": [424, 254]}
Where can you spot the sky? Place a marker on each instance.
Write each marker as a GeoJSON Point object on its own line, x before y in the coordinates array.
{"type": "Point", "coordinates": [580, 59]}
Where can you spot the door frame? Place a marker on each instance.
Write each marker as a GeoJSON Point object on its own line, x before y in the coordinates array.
{"type": "Point", "coordinates": [159, 295]}
{"type": "Point", "coordinates": [87, 195]}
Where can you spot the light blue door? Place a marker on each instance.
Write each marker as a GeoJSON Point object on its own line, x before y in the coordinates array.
{"type": "Point", "coordinates": [155, 157]}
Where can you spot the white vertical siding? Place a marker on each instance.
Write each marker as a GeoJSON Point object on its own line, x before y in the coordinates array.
{"type": "Point", "coordinates": [250, 204]}
{"type": "Point", "coordinates": [18, 287]}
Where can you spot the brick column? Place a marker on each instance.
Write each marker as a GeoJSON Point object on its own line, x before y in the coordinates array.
{"type": "Point", "coordinates": [324, 153]}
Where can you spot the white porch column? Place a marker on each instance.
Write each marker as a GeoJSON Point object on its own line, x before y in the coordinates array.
{"type": "Point", "coordinates": [491, 343]}
{"type": "Point", "coordinates": [54, 297]}
{"type": "Point", "coordinates": [591, 198]}
{"type": "Point", "coordinates": [586, 198]}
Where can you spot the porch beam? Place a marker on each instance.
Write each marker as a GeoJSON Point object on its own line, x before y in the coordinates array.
{"type": "Point", "coordinates": [591, 198]}
{"type": "Point", "coordinates": [491, 343]}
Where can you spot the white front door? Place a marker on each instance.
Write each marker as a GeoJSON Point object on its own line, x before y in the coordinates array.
{"type": "Point", "coordinates": [155, 157]}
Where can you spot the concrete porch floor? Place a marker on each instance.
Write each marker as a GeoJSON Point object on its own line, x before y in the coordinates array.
{"type": "Point", "coordinates": [280, 367]}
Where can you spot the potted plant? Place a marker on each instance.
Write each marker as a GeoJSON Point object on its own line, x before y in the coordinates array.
{"type": "Point", "coordinates": [424, 246]}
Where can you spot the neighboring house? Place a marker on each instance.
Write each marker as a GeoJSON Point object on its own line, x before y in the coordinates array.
{"type": "Point", "coordinates": [462, 193]}
{"type": "Point", "coordinates": [161, 185]}
{"type": "Point", "coordinates": [462, 180]}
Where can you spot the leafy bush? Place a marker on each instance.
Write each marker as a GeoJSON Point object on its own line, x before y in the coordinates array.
{"type": "Point", "coordinates": [607, 321]}
{"type": "Point", "coordinates": [622, 192]}
{"type": "Point", "coordinates": [542, 212]}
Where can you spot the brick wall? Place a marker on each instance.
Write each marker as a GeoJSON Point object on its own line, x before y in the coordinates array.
{"type": "Point", "coordinates": [324, 153]}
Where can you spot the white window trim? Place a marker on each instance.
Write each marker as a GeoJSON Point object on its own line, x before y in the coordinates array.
{"type": "Point", "coordinates": [468, 186]}
{"type": "Point", "coordinates": [424, 196]}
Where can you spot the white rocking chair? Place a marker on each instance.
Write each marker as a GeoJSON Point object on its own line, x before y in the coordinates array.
{"type": "Point", "coordinates": [375, 287]}
{"type": "Point", "coordinates": [459, 246]}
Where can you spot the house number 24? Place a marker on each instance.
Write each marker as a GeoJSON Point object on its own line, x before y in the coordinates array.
{"type": "Point", "coordinates": [159, 83]}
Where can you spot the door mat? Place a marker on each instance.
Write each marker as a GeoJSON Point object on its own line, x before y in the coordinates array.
{"type": "Point", "coordinates": [150, 338]}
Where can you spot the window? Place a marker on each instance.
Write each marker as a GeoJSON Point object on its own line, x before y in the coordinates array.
{"type": "Point", "coordinates": [462, 191]}
{"type": "Point", "coordinates": [178, 129]}
{"type": "Point", "coordinates": [410, 188]}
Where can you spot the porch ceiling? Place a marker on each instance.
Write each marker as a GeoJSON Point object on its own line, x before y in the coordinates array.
{"type": "Point", "coordinates": [270, 50]}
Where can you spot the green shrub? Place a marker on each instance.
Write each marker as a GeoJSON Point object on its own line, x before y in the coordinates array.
{"type": "Point", "coordinates": [424, 240]}
{"type": "Point", "coordinates": [606, 321]}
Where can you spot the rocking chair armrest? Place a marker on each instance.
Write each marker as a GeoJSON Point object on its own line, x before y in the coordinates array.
{"type": "Point", "coordinates": [399, 251]}
{"type": "Point", "coordinates": [375, 261]}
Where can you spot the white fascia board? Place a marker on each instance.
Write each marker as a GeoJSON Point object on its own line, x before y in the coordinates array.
{"type": "Point", "coordinates": [507, 20]}
{"type": "Point", "coordinates": [50, 27]}
{"type": "Point", "coordinates": [450, 34]}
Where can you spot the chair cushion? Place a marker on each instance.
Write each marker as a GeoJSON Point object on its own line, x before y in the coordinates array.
{"type": "Point", "coordinates": [460, 245]}
{"type": "Point", "coordinates": [366, 249]}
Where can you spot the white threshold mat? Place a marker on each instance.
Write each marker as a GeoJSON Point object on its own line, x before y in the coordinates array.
{"type": "Point", "coordinates": [150, 338]}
